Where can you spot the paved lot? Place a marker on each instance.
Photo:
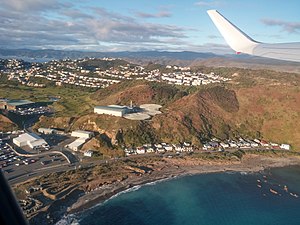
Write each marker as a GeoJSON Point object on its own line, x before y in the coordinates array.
{"type": "Point", "coordinates": [15, 166]}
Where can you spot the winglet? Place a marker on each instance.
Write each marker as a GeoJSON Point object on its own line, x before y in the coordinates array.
{"type": "Point", "coordinates": [235, 38]}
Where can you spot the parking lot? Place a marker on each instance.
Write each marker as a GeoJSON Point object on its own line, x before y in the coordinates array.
{"type": "Point", "coordinates": [14, 166]}
{"type": "Point", "coordinates": [33, 111]}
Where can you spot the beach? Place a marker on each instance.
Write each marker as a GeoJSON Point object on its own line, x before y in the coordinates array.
{"type": "Point", "coordinates": [250, 163]}
{"type": "Point", "coordinates": [93, 193]}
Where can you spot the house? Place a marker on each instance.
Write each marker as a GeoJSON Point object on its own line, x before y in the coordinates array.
{"type": "Point", "coordinates": [206, 146]}
{"type": "Point", "coordinates": [264, 143]}
{"type": "Point", "coordinates": [158, 146]}
{"type": "Point", "coordinates": [129, 151]}
{"type": "Point", "coordinates": [140, 150]}
{"type": "Point", "coordinates": [233, 144]}
{"type": "Point", "coordinates": [160, 150]}
{"type": "Point", "coordinates": [150, 150]}
{"type": "Point", "coordinates": [168, 148]}
{"type": "Point", "coordinates": [88, 153]}
{"type": "Point", "coordinates": [188, 148]}
{"type": "Point", "coordinates": [178, 147]}
{"type": "Point", "coordinates": [285, 146]}
{"type": "Point", "coordinates": [186, 144]}
{"type": "Point", "coordinates": [254, 144]}
{"type": "Point", "coordinates": [214, 144]}
{"type": "Point", "coordinates": [224, 145]}
{"type": "Point", "coordinates": [274, 144]}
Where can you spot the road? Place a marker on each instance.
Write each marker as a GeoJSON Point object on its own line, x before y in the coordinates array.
{"type": "Point", "coordinates": [74, 163]}
{"type": "Point", "coordinates": [31, 173]}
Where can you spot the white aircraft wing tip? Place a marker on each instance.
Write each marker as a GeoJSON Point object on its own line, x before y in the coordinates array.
{"type": "Point", "coordinates": [236, 39]}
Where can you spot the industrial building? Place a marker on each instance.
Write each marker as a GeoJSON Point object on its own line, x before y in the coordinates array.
{"type": "Point", "coordinates": [29, 139]}
{"type": "Point", "coordinates": [82, 134]}
{"type": "Point", "coordinates": [82, 137]}
{"type": "Point", "coordinates": [113, 110]}
{"type": "Point", "coordinates": [77, 144]}
{"type": "Point", "coordinates": [143, 112]}
{"type": "Point", "coordinates": [88, 153]}
{"type": "Point", "coordinates": [46, 130]}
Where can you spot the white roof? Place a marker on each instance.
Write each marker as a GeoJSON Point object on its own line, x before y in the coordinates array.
{"type": "Point", "coordinates": [111, 108]}
{"type": "Point", "coordinates": [82, 132]}
{"type": "Point", "coordinates": [77, 143]}
{"type": "Point", "coordinates": [27, 137]}
{"type": "Point", "coordinates": [36, 143]}
{"type": "Point", "coordinates": [45, 129]}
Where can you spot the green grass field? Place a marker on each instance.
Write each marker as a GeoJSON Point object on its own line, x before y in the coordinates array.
{"type": "Point", "coordinates": [73, 102]}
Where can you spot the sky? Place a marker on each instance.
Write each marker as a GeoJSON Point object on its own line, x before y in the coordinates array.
{"type": "Point", "coordinates": [142, 25]}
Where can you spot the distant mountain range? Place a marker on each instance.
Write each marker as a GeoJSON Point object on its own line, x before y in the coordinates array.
{"type": "Point", "coordinates": [184, 58]}
{"type": "Point", "coordinates": [61, 54]}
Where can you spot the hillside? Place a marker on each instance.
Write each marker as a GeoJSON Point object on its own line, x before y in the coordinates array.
{"type": "Point", "coordinates": [198, 116]}
{"type": "Point", "coordinates": [256, 103]}
{"type": "Point", "coordinates": [140, 92]}
{"type": "Point", "coordinates": [6, 124]}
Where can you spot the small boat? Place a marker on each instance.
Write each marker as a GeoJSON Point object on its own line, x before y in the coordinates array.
{"type": "Point", "coordinates": [285, 188]}
{"type": "Point", "coordinates": [258, 181]}
{"type": "Point", "coordinates": [294, 195]}
{"type": "Point", "coordinates": [259, 185]}
{"type": "Point", "coordinates": [273, 191]}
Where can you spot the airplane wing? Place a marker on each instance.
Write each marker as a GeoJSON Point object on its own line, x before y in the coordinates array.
{"type": "Point", "coordinates": [242, 43]}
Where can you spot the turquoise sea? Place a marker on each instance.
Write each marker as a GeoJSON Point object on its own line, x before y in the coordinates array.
{"type": "Point", "coordinates": [208, 199]}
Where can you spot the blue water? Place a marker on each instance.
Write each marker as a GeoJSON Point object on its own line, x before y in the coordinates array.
{"type": "Point", "coordinates": [210, 199]}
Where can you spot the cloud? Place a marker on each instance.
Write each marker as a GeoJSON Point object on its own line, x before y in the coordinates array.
{"type": "Point", "coordinates": [41, 24]}
{"type": "Point", "coordinates": [124, 31]}
{"type": "Point", "coordinates": [211, 47]}
{"type": "Point", "coordinates": [290, 27]}
{"type": "Point", "coordinates": [81, 29]}
{"type": "Point", "coordinates": [160, 14]}
{"type": "Point", "coordinates": [76, 14]}
{"type": "Point", "coordinates": [208, 3]}
{"type": "Point", "coordinates": [32, 5]}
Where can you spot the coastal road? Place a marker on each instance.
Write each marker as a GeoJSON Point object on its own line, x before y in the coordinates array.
{"type": "Point", "coordinates": [39, 172]}
{"type": "Point", "coordinates": [66, 167]}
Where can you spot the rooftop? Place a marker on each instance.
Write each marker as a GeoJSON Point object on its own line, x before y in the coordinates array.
{"type": "Point", "coordinates": [19, 102]}
{"type": "Point", "coordinates": [82, 131]}
{"type": "Point", "coordinates": [111, 108]}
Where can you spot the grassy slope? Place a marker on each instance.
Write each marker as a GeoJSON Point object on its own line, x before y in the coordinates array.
{"type": "Point", "coordinates": [274, 111]}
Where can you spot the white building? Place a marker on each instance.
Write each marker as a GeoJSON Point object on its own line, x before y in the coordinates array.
{"type": "Point", "coordinates": [77, 144]}
{"type": "Point", "coordinates": [82, 134]}
{"type": "Point", "coordinates": [111, 110]}
{"type": "Point", "coordinates": [168, 148]}
{"type": "Point", "coordinates": [285, 146]}
{"type": "Point", "coordinates": [140, 150]}
{"type": "Point", "coordinates": [224, 145]}
{"type": "Point", "coordinates": [30, 139]}
{"type": "Point", "coordinates": [46, 131]}
{"type": "Point", "coordinates": [88, 153]}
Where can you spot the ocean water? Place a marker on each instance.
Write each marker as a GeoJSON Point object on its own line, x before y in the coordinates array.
{"type": "Point", "coordinates": [207, 199]}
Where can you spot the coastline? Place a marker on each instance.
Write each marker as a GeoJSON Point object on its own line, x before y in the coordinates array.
{"type": "Point", "coordinates": [173, 168]}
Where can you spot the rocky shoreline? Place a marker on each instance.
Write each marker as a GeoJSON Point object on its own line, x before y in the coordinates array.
{"type": "Point", "coordinates": [79, 201]}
